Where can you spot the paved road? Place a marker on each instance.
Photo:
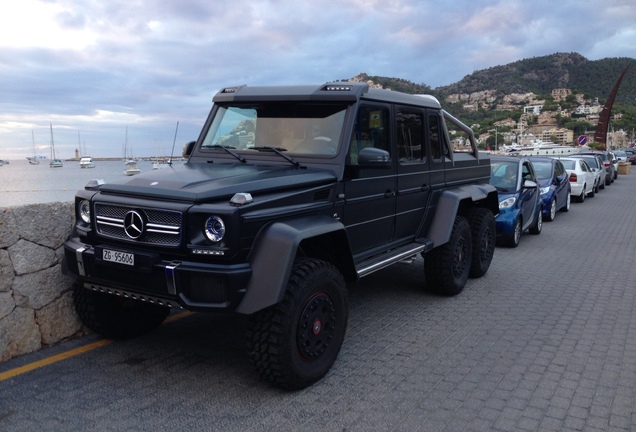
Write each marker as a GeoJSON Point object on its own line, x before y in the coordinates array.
{"type": "Point", "coordinates": [545, 341]}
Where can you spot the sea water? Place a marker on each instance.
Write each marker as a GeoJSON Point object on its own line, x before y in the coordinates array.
{"type": "Point", "coordinates": [22, 183]}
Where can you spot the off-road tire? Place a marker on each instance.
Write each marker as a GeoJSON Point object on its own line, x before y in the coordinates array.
{"type": "Point", "coordinates": [484, 237]}
{"type": "Point", "coordinates": [116, 317]}
{"type": "Point", "coordinates": [294, 343]}
{"type": "Point", "coordinates": [447, 266]}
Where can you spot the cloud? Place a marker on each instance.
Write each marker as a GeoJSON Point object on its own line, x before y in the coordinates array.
{"type": "Point", "coordinates": [99, 66]}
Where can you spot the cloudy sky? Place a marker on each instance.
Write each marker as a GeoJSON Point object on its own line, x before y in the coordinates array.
{"type": "Point", "coordinates": [95, 69]}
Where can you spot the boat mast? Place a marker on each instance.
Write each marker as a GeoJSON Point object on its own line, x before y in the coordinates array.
{"type": "Point", "coordinates": [52, 143]}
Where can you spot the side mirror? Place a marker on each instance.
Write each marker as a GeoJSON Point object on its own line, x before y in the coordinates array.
{"type": "Point", "coordinates": [187, 149]}
{"type": "Point", "coordinates": [374, 157]}
{"type": "Point", "coordinates": [529, 184]}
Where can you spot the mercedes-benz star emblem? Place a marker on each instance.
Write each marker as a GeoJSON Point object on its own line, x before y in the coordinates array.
{"type": "Point", "coordinates": [133, 225]}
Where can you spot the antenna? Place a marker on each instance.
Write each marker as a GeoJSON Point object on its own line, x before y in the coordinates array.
{"type": "Point", "coordinates": [173, 143]}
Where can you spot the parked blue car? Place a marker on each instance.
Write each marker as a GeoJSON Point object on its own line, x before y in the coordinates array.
{"type": "Point", "coordinates": [554, 185]}
{"type": "Point", "coordinates": [520, 206]}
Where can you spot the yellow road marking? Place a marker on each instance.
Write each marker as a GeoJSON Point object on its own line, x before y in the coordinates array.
{"type": "Point", "coordinates": [71, 353]}
{"type": "Point", "coordinates": [53, 359]}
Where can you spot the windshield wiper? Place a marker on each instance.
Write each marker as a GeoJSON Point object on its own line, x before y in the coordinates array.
{"type": "Point", "coordinates": [279, 151]}
{"type": "Point", "coordinates": [228, 149]}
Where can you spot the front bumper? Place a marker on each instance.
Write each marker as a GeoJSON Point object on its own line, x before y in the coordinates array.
{"type": "Point", "coordinates": [186, 284]}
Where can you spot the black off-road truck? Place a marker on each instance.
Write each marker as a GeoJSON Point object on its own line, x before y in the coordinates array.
{"type": "Point", "coordinates": [289, 194]}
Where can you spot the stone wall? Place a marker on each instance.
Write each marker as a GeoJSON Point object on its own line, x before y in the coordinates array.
{"type": "Point", "coordinates": [36, 306]}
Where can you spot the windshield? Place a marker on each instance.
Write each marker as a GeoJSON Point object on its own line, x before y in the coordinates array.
{"type": "Point", "coordinates": [568, 164]}
{"type": "Point", "coordinates": [591, 161]}
{"type": "Point", "coordinates": [503, 175]}
{"type": "Point", "coordinates": [297, 128]}
{"type": "Point", "coordinates": [543, 170]}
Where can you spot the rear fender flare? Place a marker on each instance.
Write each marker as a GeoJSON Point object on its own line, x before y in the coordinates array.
{"type": "Point", "coordinates": [452, 202]}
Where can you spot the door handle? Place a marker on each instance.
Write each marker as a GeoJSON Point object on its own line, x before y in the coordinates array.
{"type": "Point", "coordinates": [389, 194]}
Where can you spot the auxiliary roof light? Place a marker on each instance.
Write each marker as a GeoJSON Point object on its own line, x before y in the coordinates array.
{"type": "Point", "coordinates": [241, 198]}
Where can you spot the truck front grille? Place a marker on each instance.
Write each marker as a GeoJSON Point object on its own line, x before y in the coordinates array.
{"type": "Point", "coordinates": [160, 227]}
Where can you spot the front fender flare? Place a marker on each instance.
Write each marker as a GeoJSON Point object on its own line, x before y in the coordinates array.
{"type": "Point", "coordinates": [272, 258]}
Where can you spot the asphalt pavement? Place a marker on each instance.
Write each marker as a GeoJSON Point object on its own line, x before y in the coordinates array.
{"type": "Point", "coordinates": [545, 341]}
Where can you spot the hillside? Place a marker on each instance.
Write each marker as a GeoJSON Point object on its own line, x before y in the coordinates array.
{"type": "Point", "coordinates": [539, 75]}
{"type": "Point", "coordinates": [542, 74]}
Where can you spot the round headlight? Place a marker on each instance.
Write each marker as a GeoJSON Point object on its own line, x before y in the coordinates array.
{"type": "Point", "coordinates": [214, 229]}
{"type": "Point", "coordinates": [85, 210]}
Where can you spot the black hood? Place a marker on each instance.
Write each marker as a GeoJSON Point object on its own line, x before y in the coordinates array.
{"type": "Point", "coordinates": [200, 182]}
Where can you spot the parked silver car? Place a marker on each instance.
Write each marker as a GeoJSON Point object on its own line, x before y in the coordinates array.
{"type": "Point", "coordinates": [596, 164]}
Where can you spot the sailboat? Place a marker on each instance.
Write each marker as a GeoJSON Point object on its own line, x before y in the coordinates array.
{"type": "Point", "coordinates": [55, 162]}
{"type": "Point", "coordinates": [34, 159]}
{"type": "Point", "coordinates": [129, 161]}
{"type": "Point", "coordinates": [162, 163]}
{"type": "Point", "coordinates": [85, 161]}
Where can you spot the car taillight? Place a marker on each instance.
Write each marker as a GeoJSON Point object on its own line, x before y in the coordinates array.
{"type": "Point", "coordinates": [573, 178]}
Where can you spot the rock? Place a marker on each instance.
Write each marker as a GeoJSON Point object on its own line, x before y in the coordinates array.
{"type": "Point", "coordinates": [6, 271]}
{"type": "Point", "coordinates": [8, 228]}
{"type": "Point", "coordinates": [45, 224]}
{"type": "Point", "coordinates": [28, 257]}
{"type": "Point", "coordinates": [58, 320]}
{"type": "Point", "coordinates": [7, 304]}
{"type": "Point", "coordinates": [19, 334]}
{"type": "Point", "coordinates": [36, 290]}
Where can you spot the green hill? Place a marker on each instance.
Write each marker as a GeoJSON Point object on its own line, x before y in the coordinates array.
{"type": "Point", "coordinates": [539, 75]}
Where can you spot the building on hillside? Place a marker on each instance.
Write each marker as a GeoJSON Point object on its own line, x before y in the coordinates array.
{"type": "Point", "coordinates": [560, 94]}
{"type": "Point", "coordinates": [532, 109]}
{"type": "Point", "coordinates": [506, 107]}
{"type": "Point", "coordinates": [547, 118]}
{"type": "Point", "coordinates": [588, 109]}
{"type": "Point", "coordinates": [592, 119]}
{"type": "Point", "coordinates": [559, 136]}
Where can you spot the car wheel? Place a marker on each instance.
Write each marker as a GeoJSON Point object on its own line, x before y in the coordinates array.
{"type": "Point", "coordinates": [513, 239]}
{"type": "Point", "coordinates": [593, 191]}
{"type": "Point", "coordinates": [447, 266]}
{"type": "Point", "coordinates": [294, 343]}
{"type": "Point", "coordinates": [483, 234]}
{"type": "Point", "coordinates": [583, 194]}
{"type": "Point", "coordinates": [116, 317]}
{"type": "Point", "coordinates": [538, 224]}
{"type": "Point", "coordinates": [553, 210]}
{"type": "Point", "coordinates": [568, 201]}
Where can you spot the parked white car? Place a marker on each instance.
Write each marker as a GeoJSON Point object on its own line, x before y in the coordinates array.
{"type": "Point", "coordinates": [582, 178]}
{"type": "Point", "coordinates": [620, 155]}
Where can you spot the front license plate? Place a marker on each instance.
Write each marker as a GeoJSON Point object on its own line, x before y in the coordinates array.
{"type": "Point", "coordinates": [118, 257]}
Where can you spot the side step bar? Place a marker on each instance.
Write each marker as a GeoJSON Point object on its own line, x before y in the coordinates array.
{"type": "Point", "coordinates": [381, 261]}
